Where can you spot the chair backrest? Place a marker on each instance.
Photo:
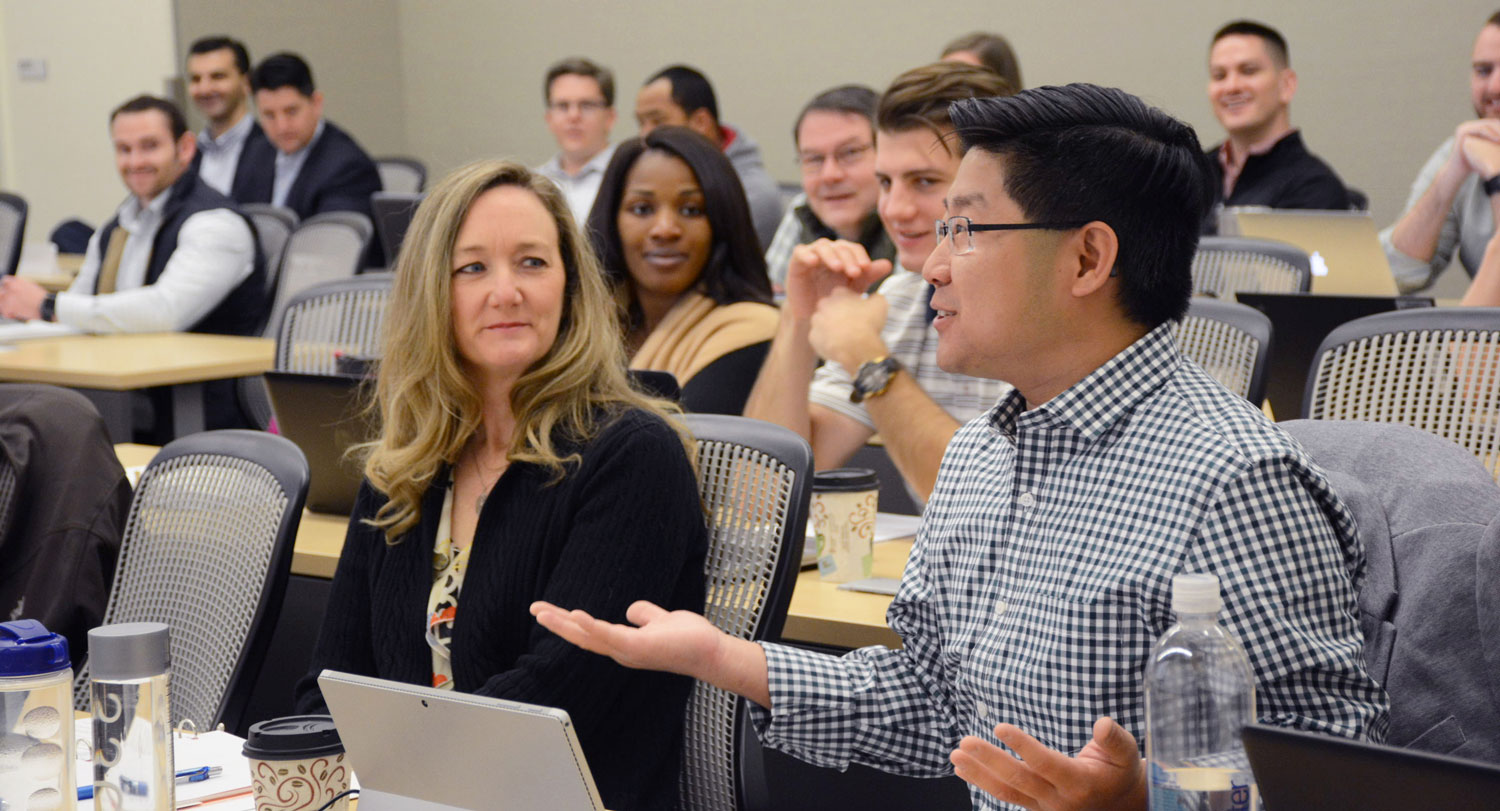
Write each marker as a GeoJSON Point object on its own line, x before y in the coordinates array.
{"type": "Point", "coordinates": [755, 480]}
{"type": "Point", "coordinates": [393, 212]}
{"type": "Point", "coordinates": [322, 248]}
{"type": "Point", "coordinates": [273, 227]}
{"type": "Point", "coordinates": [1231, 341]}
{"type": "Point", "coordinates": [1429, 524]}
{"type": "Point", "coordinates": [1436, 369]}
{"type": "Point", "coordinates": [1223, 266]}
{"type": "Point", "coordinates": [207, 550]}
{"type": "Point", "coordinates": [12, 231]}
{"type": "Point", "coordinates": [341, 317]}
{"type": "Point", "coordinates": [400, 174]}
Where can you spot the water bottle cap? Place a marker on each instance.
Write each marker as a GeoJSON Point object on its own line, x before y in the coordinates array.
{"type": "Point", "coordinates": [1195, 594]}
{"type": "Point", "coordinates": [129, 650]}
{"type": "Point", "coordinates": [27, 648]}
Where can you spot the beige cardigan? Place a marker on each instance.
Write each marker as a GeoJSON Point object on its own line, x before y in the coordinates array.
{"type": "Point", "coordinates": [697, 332]}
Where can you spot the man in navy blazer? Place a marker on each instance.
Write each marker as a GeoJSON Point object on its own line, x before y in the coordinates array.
{"type": "Point", "coordinates": [307, 163]}
{"type": "Point", "coordinates": [218, 70]}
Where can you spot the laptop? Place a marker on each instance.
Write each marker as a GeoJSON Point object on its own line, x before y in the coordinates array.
{"type": "Point", "coordinates": [421, 749]}
{"type": "Point", "coordinates": [1297, 770]}
{"type": "Point", "coordinates": [1299, 323]}
{"type": "Point", "coordinates": [1344, 245]}
{"type": "Point", "coordinates": [321, 414]}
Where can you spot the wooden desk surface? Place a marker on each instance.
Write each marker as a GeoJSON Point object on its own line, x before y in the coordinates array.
{"type": "Point", "coordinates": [827, 615]}
{"type": "Point", "coordinates": [125, 362]}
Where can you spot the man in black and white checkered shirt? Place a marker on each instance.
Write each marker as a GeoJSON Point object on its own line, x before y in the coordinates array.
{"type": "Point", "coordinates": [1042, 573]}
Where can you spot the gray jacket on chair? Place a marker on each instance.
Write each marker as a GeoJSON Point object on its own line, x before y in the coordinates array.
{"type": "Point", "coordinates": [1429, 519]}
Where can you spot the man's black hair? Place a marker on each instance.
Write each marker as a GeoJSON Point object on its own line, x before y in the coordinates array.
{"type": "Point", "coordinates": [690, 89]}
{"type": "Point", "coordinates": [207, 45]}
{"type": "Point", "coordinates": [1082, 153]}
{"type": "Point", "coordinates": [283, 70]}
{"type": "Point", "coordinates": [1275, 42]}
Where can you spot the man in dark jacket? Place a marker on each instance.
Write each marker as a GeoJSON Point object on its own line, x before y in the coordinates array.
{"type": "Point", "coordinates": [307, 164]}
{"type": "Point", "coordinates": [1263, 162]}
{"type": "Point", "coordinates": [218, 70]}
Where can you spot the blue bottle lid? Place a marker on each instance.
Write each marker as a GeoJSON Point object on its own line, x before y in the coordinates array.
{"type": "Point", "coordinates": [27, 648]}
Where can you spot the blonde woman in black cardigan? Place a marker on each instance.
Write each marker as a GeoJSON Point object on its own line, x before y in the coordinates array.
{"type": "Point", "coordinates": [516, 463]}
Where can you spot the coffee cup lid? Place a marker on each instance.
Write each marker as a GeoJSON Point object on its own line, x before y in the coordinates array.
{"type": "Point", "coordinates": [293, 738]}
{"type": "Point", "coordinates": [845, 480]}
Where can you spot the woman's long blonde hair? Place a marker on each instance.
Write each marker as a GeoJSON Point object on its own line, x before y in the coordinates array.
{"type": "Point", "coordinates": [429, 408]}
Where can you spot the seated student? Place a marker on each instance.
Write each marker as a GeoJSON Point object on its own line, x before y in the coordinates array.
{"type": "Point", "coordinates": [218, 71]}
{"type": "Point", "coordinates": [177, 255]}
{"type": "Point", "coordinates": [882, 373]}
{"type": "Point", "coordinates": [986, 50]}
{"type": "Point", "coordinates": [835, 140]}
{"type": "Point", "coordinates": [1042, 573]}
{"type": "Point", "coordinates": [580, 97]}
{"type": "Point", "coordinates": [1451, 211]}
{"type": "Point", "coordinates": [515, 463]}
{"type": "Point", "coordinates": [305, 163]}
{"type": "Point", "coordinates": [672, 230]}
{"type": "Point", "coordinates": [679, 96]}
{"type": "Point", "coordinates": [1263, 161]}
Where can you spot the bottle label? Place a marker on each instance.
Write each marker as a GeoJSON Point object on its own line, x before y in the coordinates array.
{"type": "Point", "coordinates": [1201, 789]}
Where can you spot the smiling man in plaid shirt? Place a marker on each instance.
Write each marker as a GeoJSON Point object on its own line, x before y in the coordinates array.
{"type": "Point", "coordinates": [1042, 573]}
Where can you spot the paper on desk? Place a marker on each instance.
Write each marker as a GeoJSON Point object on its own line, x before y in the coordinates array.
{"type": "Point", "coordinates": [888, 527]}
{"type": "Point", "coordinates": [230, 791]}
{"type": "Point", "coordinates": [23, 330]}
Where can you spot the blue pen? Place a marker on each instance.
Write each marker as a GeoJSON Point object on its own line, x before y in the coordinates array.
{"type": "Point", "coordinates": [194, 775]}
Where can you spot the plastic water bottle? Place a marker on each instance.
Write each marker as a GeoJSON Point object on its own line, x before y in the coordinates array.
{"type": "Point", "coordinates": [1200, 692]}
{"type": "Point", "coordinates": [36, 718]}
{"type": "Point", "coordinates": [128, 666]}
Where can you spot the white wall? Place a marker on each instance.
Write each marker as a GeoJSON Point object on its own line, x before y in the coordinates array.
{"type": "Point", "coordinates": [352, 46]}
{"type": "Point", "coordinates": [1382, 82]}
{"type": "Point", "coordinates": [54, 134]}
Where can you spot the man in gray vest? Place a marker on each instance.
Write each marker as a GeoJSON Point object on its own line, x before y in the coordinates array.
{"type": "Point", "coordinates": [176, 257]}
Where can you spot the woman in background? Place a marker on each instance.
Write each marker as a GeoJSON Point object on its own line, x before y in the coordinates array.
{"type": "Point", "coordinates": [515, 463]}
{"type": "Point", "coordinates": [673, 230]}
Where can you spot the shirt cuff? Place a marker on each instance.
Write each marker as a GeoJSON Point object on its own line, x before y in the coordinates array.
{"type": "Point", "coordinates": [811, 700]}
{"type": "Point", "coordinates": [831, 388]}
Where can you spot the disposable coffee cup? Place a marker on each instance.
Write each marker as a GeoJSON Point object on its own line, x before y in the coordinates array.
{"type": "Point", "coordinates": [843, 515]}
{"type": "Point", "coordinates": [297, 762]}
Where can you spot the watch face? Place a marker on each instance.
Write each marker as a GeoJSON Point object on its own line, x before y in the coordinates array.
{"type": "Point", "coordinates": [870, 377]}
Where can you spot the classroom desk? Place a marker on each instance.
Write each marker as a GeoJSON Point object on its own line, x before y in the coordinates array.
{"type": "Point", "coordinates": [106, 368]}
{"type": "Point", "coordinates": [824, 614]}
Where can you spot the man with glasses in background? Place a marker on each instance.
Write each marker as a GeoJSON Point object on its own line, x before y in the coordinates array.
{"type": "Point", "coordinates": [835, 140]}
{"type": "Point", "coordinates": [881, 374]}
{"type": "Point", "coordinates": [580, 99]}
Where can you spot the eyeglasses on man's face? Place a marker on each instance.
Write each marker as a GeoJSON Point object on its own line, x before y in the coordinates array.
{"type": "Point", "coordinates": [585, 107]}
{"type": "Point", "coordinates": [812, 162]}
{"type": "Point", "coordinates": [959, 231]}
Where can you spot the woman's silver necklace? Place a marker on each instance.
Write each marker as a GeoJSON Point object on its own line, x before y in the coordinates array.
{"type": "Point", "coordinates": [484, 491]}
